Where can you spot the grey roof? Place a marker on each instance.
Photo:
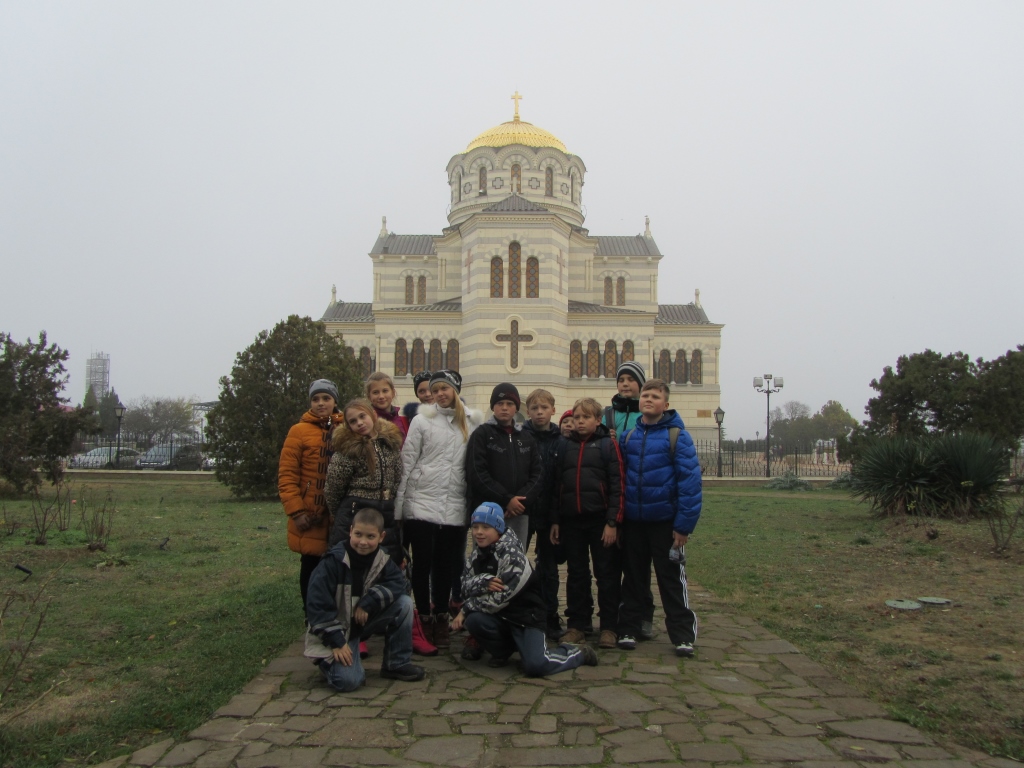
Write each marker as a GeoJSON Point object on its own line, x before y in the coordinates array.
{"type": "Point", "coordinates": [349, 312]}
{"type": "Point", "coordinates": [447, 305]}
{"type": "Point", "coordinates": [515, 204]}
{"type": "Point", "coordinates": [586, 308]}
{"type": "Point", "coordinates": [681, 314]}
{"type": "Point", "coordinates": [617, 245]}
{"type": "Point", "coordinates": [405, 245]}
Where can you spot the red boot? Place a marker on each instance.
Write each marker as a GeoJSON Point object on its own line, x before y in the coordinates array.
{"type": "Point", "coordinates": [420, 644]}
{"type": "Point", "coordinates": [364, 650]}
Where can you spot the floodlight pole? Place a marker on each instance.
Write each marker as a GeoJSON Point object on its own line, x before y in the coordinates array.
{"type": "Point", "coordinates": [764, 384]}
{"type": "Point", "coordinates": [119, 412]}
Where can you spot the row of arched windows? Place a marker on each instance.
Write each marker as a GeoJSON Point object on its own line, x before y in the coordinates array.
{"type": "Point", "coordinates": [367, 364]}
{"type": "Point", "coordinates": [517, 182]}
{"type": "Point", "coordinates": [617, 299]}
{"type": "Point", "coordinates": [681, 371]}
{"type": "Point", "coordinates": [597, 363]}
{"type": "Point", "coordinates": [515, 275]}
{"type": "Point", "coordinates": [420, 292]}
{"type": "Point", "coordinates": [422, 358]}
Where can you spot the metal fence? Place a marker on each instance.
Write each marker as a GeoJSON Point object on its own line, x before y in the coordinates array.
{"type": "Point", "coordinates": [748, 459]}
{"type": "Point", "coordinates": [172, 452]}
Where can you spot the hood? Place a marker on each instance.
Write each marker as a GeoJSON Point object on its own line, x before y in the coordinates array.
{"type": "Point", "coordinates": [626, 404]}
{"type": "Point", "coordinates": [601, 431]}
{"type": "Point", "coordinates": [669, 418]}
{"type": "Point", "coordinates": [551, 431]}
{"type": "Point", "coordinates": [310, 418]}
{"type": "Point", "coordinates": [494, 423]}
{"type": "Point", "coordinates": [346, 440]}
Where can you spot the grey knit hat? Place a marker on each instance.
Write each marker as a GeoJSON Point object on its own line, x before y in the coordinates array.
{"type": "Point", "coordinates": [451, 378]}
{"type": "Point", "coordinates": [324, 385]}
{"type": "Point", "coordinates": [634, 369]}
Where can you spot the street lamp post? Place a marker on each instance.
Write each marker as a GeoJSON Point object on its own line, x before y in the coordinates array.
{"type": "Point", "coordinates": [764, 384]}
{"type": "Point", "coordinates": [719, 418]}
{"type": "Point", "coordinates": [119, 412]}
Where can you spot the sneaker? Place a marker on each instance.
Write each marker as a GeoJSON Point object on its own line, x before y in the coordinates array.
{"type": "Point", "coordinates": [472, 650]}
{"type": "Point", "coordinates": [573, 637]}
{"type": "Point", "coordinates": [409, 673]}
{"type": "Point", "coordinates": [685, 650]}
{"type": "Point", "coordinates": [607, 639]}
{"type": "Point", "coordinates": [627, 643]}
{"type": "Point", "coordinates": [364, 650]}
{"type": "Point", "coordinates": [646, 630]}
{"type": "Point", "coordinates": [495, 662]}
{"type": "Point", "coordinates": [589, 655]}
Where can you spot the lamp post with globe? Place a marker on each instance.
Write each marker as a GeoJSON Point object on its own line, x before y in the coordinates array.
{"type": "Point", "coordinates": [764, 384]}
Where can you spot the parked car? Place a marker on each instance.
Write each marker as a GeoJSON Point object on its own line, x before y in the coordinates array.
{"type": "Point", "coordinates": [105, 458]}
{"type": "Point", "coordinates": [171, 456]}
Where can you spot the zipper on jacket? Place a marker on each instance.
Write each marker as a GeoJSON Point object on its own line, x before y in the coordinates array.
{"type": "Point", "coordinates": [512, 448]}
{"type": "Point", "coordinates": [640, 480]}
{"type": "Point", "coordinates": [579, 467]}
{"type": "Point", "coordinates": [306, 489]}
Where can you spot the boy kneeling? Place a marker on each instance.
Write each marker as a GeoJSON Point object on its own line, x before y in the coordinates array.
{"type": "Point", "coordinates": [504, 607]}
{"type": "Point", "coordinates": [357, 591]}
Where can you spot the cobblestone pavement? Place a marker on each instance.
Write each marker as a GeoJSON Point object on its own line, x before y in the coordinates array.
{"type": "Point", "coordinates": [747, 697]}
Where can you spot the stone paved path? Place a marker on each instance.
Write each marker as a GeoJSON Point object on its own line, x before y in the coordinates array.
{"type": "Point", "coordinates": [748, 697]}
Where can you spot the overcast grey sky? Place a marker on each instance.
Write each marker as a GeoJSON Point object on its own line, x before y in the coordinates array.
{"type": "Point", "coordinates": [844, 182]}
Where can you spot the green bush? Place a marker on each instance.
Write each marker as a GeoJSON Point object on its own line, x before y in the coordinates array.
{"type": "Point", "coordinates": [953, 475]}
{"type": "Point", "coordinates": [788, 482]}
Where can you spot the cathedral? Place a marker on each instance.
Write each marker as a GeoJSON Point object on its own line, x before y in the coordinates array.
{"type": "Point", "coordinates": [516, 289]}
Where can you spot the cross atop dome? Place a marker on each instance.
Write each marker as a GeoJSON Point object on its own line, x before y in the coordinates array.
{"type": "Point", "coordinates": [516, 97]}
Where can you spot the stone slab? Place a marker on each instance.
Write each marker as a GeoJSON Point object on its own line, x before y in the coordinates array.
{"type": "Point", "coordinates": [549, 756]}
{"type": "Point", "coordinates": [220, 757]}
{"type": "Point", "coordinates": [615, 699]}
{"type": "Point", "coordinates": [359, 733]}
{"type": "Point", "coordinates": [876, 729]}
{"type": "Point", "coordinates": [710, 753]}
{"type": "Point", "coordinates": [783, 748]}
{"type": "Point", "coordinates": [650, 751]}
{"type": "Point", "coordinates": [289, 757]}
{"type": "Point", "coordinates": [731, 684]}
{"type": "Point", "coordinates": [243, 705]}
{"type": "Point", "coordinates": [147, 756]}
{"type": "Point", "coordinates": [768, 647]}
{"type": "Point", "coordinates": [184, 753]}
{"type": "Point", "coordinates": [351, 757]}
{"type": "Point", "coordinates": [862, 749]}
{"type": "Point", "coordinates": [458, 751]}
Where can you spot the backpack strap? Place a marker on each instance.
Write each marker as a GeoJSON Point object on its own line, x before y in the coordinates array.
{"type": "Point", "coordinates": [673, 438]}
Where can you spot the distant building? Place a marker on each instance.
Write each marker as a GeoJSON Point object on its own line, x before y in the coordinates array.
{"type": "Point", "coordinates": [97, 374]}
{"type": "Point", "coordinates": [516, 289]}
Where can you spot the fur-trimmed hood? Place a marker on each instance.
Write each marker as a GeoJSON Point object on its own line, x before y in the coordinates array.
{"type": "Point", "coordinates": [347, 441]}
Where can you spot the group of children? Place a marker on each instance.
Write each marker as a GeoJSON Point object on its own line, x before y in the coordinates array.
{"type": "Point", "coordinates": [378, 499]}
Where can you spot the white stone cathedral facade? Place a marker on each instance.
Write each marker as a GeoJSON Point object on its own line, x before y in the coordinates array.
{"type": "Point", "coordinates": [516, 289]}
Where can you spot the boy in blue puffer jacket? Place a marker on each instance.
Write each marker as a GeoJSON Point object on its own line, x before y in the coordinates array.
{"type": "Point", "coordinates": [663, 499]}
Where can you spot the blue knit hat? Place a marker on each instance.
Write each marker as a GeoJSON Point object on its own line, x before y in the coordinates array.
{"type": "Point", "coordinates": [490, 514]}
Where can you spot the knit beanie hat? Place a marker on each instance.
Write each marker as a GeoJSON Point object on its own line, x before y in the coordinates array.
{"type": "Point", "coordinates": [324, 385]}
{"type": "Point", "coordinates": [451, 378]}
{"type": "Point", "coordinates": [566, 415]}
{"type": "Point", "coordinates": [490, 514]}
{"type": "Point", "coordinates": [419, 378]}
{"type": "Point", "coordinates": [505, 391]}
{"type": "Point", "coordinates": [634, 369]}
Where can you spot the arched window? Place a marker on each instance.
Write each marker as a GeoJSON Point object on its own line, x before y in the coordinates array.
{"type": "Point", "coordinates": [460, 187]}
{"type": "Point", "coordinates": [696, 368]}
{"type": "Point", "coordinates": [421, 289]}
{"type": "Point", "coordinates": [549, 182]}
{"type": "Point", "coordinates": [627, 351]}
{"type": "Point", "coordinates": [593, 360]}
{"type": "Point", "coordinates": [418, 357]}
{"type": "Point", "coordinates": [680, 375]}
{"type": "Point", "coordinates": [515, 275]}
{"type": "Point", "coordinates": [408, 289]}
{"type": "Point", "coordinates": [401, 358]}
{"type": "Point", "coordinates": [483, 180]}
{"type": "Point", "coordinates": [365, 362]}
{"type": "Point", "coordinates": [517, 178]}
{"type": "Point", "coordinates": [575, 360]}
{"type": "Point", "coordinates": [665, 365]}
{"type": "Point", "coordinates": [620, 292]}
{"type": "Point", "coordinates": [608, 298]}
{"type": "Point", "coordinates": [572, 187]}
{"type": "Point", "coordinates": [434, 362]}
{"type": "Point", "coordinates": [452, 355]}
{"type": "Point", "coordinates": [497, 279]}
{"type": "Point", "coordinates": [611, 362]}
{"type": "Point", "coordinates": [532, 278]}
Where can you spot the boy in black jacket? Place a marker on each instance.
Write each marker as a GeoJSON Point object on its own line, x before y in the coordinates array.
{"type": "Point", "coordinates": [503, 463]}
{"type": "Point", "coordinates": [503, 605]}
{"type": "Point", "coordinates": [357, 591]}
{"type": "Point", "coordinates": [589, 477]}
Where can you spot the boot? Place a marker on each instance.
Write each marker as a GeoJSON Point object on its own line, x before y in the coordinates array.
{"type": "Point", "coordinates": [420, 644]}
{"type": "Point", "coordinates": [441, 630]}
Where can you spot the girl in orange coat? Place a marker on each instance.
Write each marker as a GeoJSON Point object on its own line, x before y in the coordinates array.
{"type": "Point", "coordinates": [302, 474]}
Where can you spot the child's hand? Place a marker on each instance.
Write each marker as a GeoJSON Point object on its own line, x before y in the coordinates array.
{"type": "Point", "coordinates": [679, 539]}
{"type": "Point", "coordinates": [496, 585]}
{"type": "Point", "coordinates": [554, 534]}
{"type": "Point", "coordinates": [515, 507]}
{"type": "Point", "coordinates": [302, 521]}
{"type": "Point", "coordinates": [458, 621]}
{"type": "Point", "coordinates": [360, 616]}
{"type": "Point", "coordinates": [343, 656]}
{"type": "Point", "coordinates": [609, 536]}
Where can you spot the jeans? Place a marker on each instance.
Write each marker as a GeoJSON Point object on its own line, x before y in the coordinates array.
{"type": "Point", "coordinates": [435, 550]}
{"type": "Point", "coordinates": [395, 623]}
{"type": "Point", "coordinates": [501, 639]}
{"type": "Point", "coordinates": [644, 544]}
{"type": "Point", "coordinates": [582, 542]}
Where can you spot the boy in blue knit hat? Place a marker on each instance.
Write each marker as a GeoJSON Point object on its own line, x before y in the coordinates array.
{"type": "Point", "coordinates": [504, 607]}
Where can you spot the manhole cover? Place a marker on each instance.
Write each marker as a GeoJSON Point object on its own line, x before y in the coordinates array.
{"type": "Point", "coordinates": [903, 605]}
{"type": "Point", "coordinates": [934, 600]}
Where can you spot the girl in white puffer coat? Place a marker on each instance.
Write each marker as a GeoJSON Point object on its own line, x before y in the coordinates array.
{"type": "Point", "coordinates": [431, 499]}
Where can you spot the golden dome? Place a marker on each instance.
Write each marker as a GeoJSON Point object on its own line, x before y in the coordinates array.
{"type": "Point", "coordinates": [516, 131]}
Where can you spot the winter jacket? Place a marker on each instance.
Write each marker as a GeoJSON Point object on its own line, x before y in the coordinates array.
{"type": "Point", "coordinates": [395, 416]}
{"type": "Point", "coordinates": [329, 605]}
{"type": "Point", "coordinates": [589, 478]}
{"type": "Point", "coordinates": [521, 602]}
{"type": "Point", "coordinates": [622, 415]}
{"type": "Point", "coordinates": [500, 465]}
{"type": "Point", "coordinates": [301, 476]}
{"type": "Point", "coordinates": [409, 411]}
{"type": "Point", "coordinates": [349, 479]}
{"type": "Point", "coordinates": [661, 486]}
{"type": "Point", "coordinates": [433, 486]}
{"type": "Point", "coordinates": [547, 445]}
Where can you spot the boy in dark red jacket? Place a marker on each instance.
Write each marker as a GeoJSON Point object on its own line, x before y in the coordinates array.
{"type": "Point", "coordinates": [585, 519]}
